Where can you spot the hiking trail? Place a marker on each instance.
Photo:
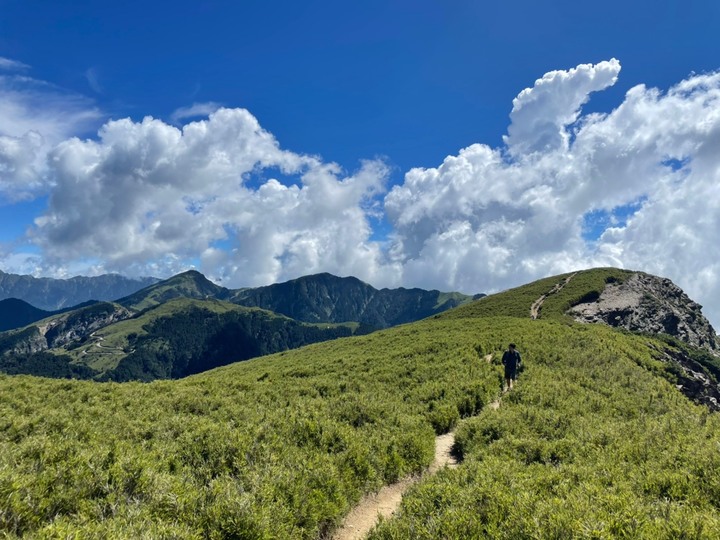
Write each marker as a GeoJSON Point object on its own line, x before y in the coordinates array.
{"type": "Point", "coordinates": [361, 519]}
{"type": "Point", "coordinates": [537, 304]}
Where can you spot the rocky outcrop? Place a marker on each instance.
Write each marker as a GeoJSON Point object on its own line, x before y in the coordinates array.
{"type": "Point", "coordinates": [650, 304]}
{"type": "Point", "coordinates": [693, 379]}
{"type": "Point", "coordinates": [79, 324]}
{"type": "Point", "coordinates": [22, 342]}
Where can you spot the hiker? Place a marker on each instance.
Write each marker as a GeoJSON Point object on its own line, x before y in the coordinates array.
{"type": "Point", "coordinates": [511, 361]}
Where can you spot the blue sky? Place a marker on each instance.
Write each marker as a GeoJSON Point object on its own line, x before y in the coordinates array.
{"type": "Point", "coordinates": [376, 139]}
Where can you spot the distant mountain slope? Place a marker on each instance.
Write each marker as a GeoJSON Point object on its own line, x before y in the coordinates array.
{"type": "Point", "coordinates": [320, 298]}
{"type": "Point", "coordinates": [61, 329]}
{"type": "Point", "coordinates": [179, 337]}
{"type": "Point", "coordinates": [52, 294]}
{"type": "Point", "coordinates": [328, 298]}
{"type": "Point", "coordinates": [15, 313]}
{"type": "Point", "coordinates": [191, 336]}
{"type": "Point", "coordinates": [183, 325]}
{"type": "Point", "coordinates": [190, 284]}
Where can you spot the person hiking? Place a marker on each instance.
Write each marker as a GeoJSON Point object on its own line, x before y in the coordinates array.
{"type": "Point", "coordinates": [511, 360]}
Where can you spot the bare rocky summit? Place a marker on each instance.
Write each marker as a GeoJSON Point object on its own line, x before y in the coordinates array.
{"type": "Point", "coordinates": [650, 304]}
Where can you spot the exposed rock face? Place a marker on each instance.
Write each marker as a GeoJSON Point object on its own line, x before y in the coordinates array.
{"type": "Point", "coordinates": [81, 323]}
{"type": "Point", "coordinates": [646, 303]}
{"type": "Point", "coordinates": [693, 379]}
{"type": "Point", "coordinates": [22, 342]}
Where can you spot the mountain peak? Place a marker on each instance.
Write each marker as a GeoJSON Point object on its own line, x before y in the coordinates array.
{"type": "Point", "coordinates": [189, 284]}
{"type": "Point", "coordinates": [325, 297]}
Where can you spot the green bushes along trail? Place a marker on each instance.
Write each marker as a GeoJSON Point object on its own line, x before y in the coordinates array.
{"type": "Point", "coordinates": [278, 447]}
{"type": "Point", "coordinates": [594, 442]}
{"type": "Point", "coordinates": [590, 444]}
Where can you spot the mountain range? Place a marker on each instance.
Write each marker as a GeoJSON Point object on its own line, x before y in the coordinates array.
{"type": "Point", "coordinates": [52, 294]}
{"type": "Point", "coordinates": [187, 324]}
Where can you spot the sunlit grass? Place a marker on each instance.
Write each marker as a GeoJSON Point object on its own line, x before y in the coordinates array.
{"type": "Point", "coordinates": [595, 441]}
{"type": "Point", "coordinates": [590, 444]}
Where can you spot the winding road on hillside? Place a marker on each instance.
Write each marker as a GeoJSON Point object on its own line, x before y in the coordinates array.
{"type": "Point", "coordinates": [365, 515]}
{"type": "Point", "coordinates": [537, 304]}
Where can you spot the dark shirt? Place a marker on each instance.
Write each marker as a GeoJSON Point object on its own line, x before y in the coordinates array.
{"type": "Point", "coordinates": [510, 360]}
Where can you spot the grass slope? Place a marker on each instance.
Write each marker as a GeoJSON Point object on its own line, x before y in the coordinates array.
{"type": "Point", "coordinates": [278, 447]}
{"type": "Point", "coordinates": [595, 442]}
{"type": "Point", "coordinates": [590, 445]}
{"type": "Point", "coordinates": [516, 302]}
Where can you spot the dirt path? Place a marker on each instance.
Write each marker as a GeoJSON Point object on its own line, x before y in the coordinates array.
{"type": "Point", "coordinates": [537, 304]}
{"type": "Point", "coordinates": [385, 502]}
{"type": "Point", "coordinates": [364, 516]}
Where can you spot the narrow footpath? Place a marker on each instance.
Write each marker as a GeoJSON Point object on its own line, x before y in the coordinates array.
{"type": "Point", "coordinates": [365, 515]}
{"type": "Point", "coordinates": [537, 304]}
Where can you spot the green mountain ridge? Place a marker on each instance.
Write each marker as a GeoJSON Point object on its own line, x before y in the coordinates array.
{"type": "Point", "coordinates": [327, 298]}
{"type": "Point", "coordinates": [595, 441]}
{"type": "Point", "coordinates": [189, 284]}
{"type": "Point", "coordinates": [191, 336]}
{"type": "Point", "coordinates": [320, 298]}
{"type": "Point", "coordinates": [216, 336]}
{"type": "Point", "coordinates": [179, 337]}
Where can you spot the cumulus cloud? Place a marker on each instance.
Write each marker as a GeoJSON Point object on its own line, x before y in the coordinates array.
{"type": "Point", "coordinates": [486, 220]}
{"type": "Point", "coordinates": [540, 114]}
{"type": "Point", "coordinates": [147, 193]}
{"type": "Point", "coordinates": [34, 117]}
{"type": "Point", "coordinates": [151, 198]}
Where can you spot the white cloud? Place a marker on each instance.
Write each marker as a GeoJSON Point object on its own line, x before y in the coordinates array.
{"type": "Point", "coordinates": [12, 65]}
{"type": "Point", "coordinates": [20, 159]}
{"type": "Point", "coordinates": [484, 221]}
{"type": "Point", "coordinates": [34, 117]}
{"type": "Point", "coordinates": [541, 113]}
{"type": "Point", "coordinates": [151, 198]}
{"type": "Point", "coordinates": [147, 194]}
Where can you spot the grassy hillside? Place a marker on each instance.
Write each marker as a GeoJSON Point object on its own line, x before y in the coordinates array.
{"type": "Point", "coordinates": [518, 301]}
{"type": "Point", "coordinates": [589, 445]}
{"type": "Point", "coordinates": [595, 442]}
{"type": "Point", "coordinates": [278, 447]}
